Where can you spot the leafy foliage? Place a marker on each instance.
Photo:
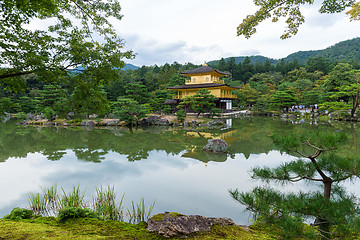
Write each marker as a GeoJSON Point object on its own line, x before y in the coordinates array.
{"type": "Point", "coordinates": [291, 11]}
{"type": "Point", "coordinates": [75, 212]}
{"type": "Point", "coordinates": [129, 110]}
{"type": "Point", "coordinates": [69, 43]}
{"type": "Point", "coordinates": [19, 213]}
{"type": "Point", "coordinates": [181, 115]}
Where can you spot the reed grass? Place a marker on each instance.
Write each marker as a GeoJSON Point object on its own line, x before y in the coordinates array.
{"type": "Point", "coordinates": [51, 197]}
{"type": "Point", "coordinates": [138, 212]}
{"type": "Point", "coordinates": [37, 204]}
{"type": "Point", "coordinates": [104, 204]}
{"type": "Point", "coordinates": [72, 199]}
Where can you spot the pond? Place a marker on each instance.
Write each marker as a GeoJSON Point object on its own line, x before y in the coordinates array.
{"type": "Point", "coordinates": [160, 164]}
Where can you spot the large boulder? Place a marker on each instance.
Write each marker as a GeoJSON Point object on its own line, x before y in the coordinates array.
{"type": "Point", "coordinates": [216, 145]}
{"type": "Point", "coordinates": [153, 119]}
{"type": "Point", "coordinates": [175, 224]}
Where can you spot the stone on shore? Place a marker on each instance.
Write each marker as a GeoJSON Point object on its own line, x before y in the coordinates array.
{"type": "Point", "coordinates": [175, 224]}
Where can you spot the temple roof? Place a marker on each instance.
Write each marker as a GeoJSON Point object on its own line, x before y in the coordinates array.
{"type": "Point", "coordinates": [203, 69]}
{"type": "Point", "coordinates": [205, 85]}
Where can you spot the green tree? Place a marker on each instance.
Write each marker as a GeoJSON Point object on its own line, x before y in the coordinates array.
{"type": "Point", "coordinates": [138, 92]}
{"type": "Point", "coordinates": [318, 64]}
{"type": "Point", "coordinates": [6, 105]}
{"type": "Point", "coordinates": [49, 96]}
{"type": "Point", "coordinates": [291, 10]}
{"type": "Point", "coordinates": [336, 213]}
{"type": "Point", "coordinates": [82, 37]}
{"type": "Point", "coordinates": [157, 100]}
{"type": "Point", "coordinates": [203, 102]}
{"type": "Point", "coordinates": [129, 110]}
{"type": "Point", "coordinates": [342, 74]}
{"type": "Point", "coordinates": [249, 94]}
{"type": "Point", "coordinates": [284, 99]}
{"type": "Point", "coordinates": [89, 98]}
{"type": "Point", "coordinates": [176, 80]}
{"type": "Point", "coordinates": [351, 91]}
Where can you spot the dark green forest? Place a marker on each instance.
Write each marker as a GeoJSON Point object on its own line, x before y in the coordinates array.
{"type": "Point", "coordinates": [328, 78]}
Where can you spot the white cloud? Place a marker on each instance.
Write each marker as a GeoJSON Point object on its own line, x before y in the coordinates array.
{"type": "Point", "coordinates": [165, 31]}
{"type": "Point", "coordinates": [194, 31]}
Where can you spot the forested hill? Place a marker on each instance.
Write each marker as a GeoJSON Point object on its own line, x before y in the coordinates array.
{"type": "Point", "coordinates": [254, 59]}
{"type": "Point", "coordinates": [348, 50]}
{"type": "Point", "coordinates": [130, 66]}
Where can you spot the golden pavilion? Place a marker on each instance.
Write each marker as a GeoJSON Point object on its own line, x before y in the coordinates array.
{"type": "Point", "coordinates": [209, 78]}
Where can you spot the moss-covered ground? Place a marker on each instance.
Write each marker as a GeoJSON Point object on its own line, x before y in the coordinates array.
{"type": "Point", "coordinates": [51, 228]}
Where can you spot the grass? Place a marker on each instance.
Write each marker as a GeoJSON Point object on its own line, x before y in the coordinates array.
{"type": "Point", "coordinates": [104, 204]}
{"type": "Point", "coordinates": [51, 228]}
{"type": "Point", "coordinates": [138, 212]}
{"type": "Point", "coordinates": [75, 198]}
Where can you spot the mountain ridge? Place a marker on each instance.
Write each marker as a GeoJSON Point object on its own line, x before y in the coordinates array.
{"type": "Point", "coordinates": [348, 50]}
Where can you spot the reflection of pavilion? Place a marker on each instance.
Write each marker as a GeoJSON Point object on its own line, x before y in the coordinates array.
{"type": "Point", "coordinates": [199, 154]}
{"type": "Point", "coordinates": [226, 135]}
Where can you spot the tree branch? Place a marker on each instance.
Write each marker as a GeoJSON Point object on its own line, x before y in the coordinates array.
{"type": "Point", "coordinates": [17, 74]}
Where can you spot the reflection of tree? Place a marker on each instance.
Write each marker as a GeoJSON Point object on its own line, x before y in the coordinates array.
{"type": "Point", "coordinates": [136, 156]}
{"type": "Point", "coordinates": [250, 137]}
{"type": "Point", "coordinates": [54, 156]}
{"type": "Point", "coordinates": [89, 155]}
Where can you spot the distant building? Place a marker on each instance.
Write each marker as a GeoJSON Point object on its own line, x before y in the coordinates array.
{"type": "Point", "coordinates": [209, 78]}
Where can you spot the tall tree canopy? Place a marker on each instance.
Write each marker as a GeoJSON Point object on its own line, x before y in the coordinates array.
{"type": "Point", "coordinates": [68, 34]}
{"type": "Point", "coordinates": [290, 9]}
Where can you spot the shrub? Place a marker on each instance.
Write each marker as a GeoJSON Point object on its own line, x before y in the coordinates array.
{"type": "Point", "coordinates": [49, 113]}
{"type": "Point", "coordinates": [76, 212]}
{"type": "Point", "coordinates": [19, 213]}
{"type": "Point", "coordinates": [181, 115]}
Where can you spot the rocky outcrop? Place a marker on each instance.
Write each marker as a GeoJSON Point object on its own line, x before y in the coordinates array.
{"type": "Point", "coordinates": [217, 122]}
{"type": "Point", "coordinates": [88, 123]}
{"type": "Point", "coordinates": [175, 224]}
{"type": "Point", "coordinates": [33, 117]}
{"type": "Point", "coordinates": [216, 145]}
{"type": "Point", "coordinates": [112, 122]}
{"type": "Point", "coordinates": [155, 120]}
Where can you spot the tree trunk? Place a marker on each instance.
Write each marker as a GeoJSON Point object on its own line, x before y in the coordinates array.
{"type": "Point", "coordinates": [323, 221]}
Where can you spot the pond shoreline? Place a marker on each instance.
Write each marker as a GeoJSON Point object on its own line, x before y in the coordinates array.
{"type": "Point", "coordinates": [194, 121]}
{"type": "Point", "coordinates": [151, 120]}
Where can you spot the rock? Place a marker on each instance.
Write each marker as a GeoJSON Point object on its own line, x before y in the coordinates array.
{"type": "Point", "coordinates": [88, 123]}
{"type": "Point", "coordinates": [153, 119]}
{"type": "Point", "coordinates": [31, 116]}
{"type": "Point", "coordinates": [216, 145]}
{"type": "Point", "coordinates": [175, 224]}
{"type": "Point", "coordinates": [291, 116]}
{"type": "Point", "coordinates": [113, 122]}
{"type": "Point", "coordinates": [22, 122]}
{"type": "Point", "coordinates": [163, 122]}
{"type": "Point", "coordinates": [217, 122]}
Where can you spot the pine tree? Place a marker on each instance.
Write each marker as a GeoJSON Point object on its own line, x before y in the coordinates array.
{"type": "Point", "coordinates": [336, 213]}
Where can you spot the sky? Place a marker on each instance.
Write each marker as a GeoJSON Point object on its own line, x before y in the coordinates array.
{"type": "Point", "coordinates": [168, 31]}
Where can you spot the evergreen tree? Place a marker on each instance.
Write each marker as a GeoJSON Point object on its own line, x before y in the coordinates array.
{"type": "Point", "coordinates": [129, 110]}
{"type": "Point", "coordinates": [284, 99]}
{"type": "Point", "coordinates": [336, 213]}
{"type": "Point", "coordinates": [201, 102]}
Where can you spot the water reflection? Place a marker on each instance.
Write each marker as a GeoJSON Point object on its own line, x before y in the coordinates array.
{"type": "Point", "coordinates": [157, 163]}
